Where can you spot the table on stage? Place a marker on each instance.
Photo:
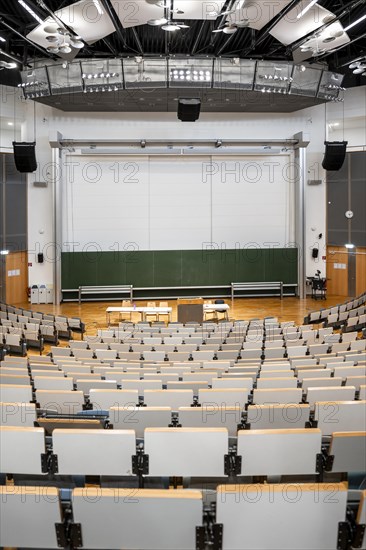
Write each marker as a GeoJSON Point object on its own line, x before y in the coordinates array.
{"type": "Point", "coordinates": [142, 310]}
{"type": "Point", "coordinates": [162, 310]}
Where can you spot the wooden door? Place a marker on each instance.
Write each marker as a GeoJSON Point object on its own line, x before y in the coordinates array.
{"type": "Point", "coordinates": [16, 277]}
{"type": "Point", "coordinates": [360, 270]}
{"type": "Point", "coordinates": [337, 271]}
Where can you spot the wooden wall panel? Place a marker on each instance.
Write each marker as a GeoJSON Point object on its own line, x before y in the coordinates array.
{"type": "Point", "coordinates": [337, 279]}
{"type": "Point", "coordinates": [16, 284]}
{"type": "Point", "coordinates": [360, 270]}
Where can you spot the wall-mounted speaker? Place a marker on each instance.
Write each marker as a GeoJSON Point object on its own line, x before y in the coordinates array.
{"type": "Point", "coordinates": [335, 153]}
{"type": "Point", "coordinates": [189, 109]}
{"type": "Point", "coordinates": [25, 156]}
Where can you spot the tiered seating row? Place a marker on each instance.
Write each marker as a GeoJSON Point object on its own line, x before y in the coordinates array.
{"type": "Point", "coordinates": [312, 516]}
{"type": "Point", "coordinates": [21, 329]}
{"type": "Point", "coordinates": [350, 315]}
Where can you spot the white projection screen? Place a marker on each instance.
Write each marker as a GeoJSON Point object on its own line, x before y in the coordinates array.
{"type": "Point", "coordinates": [176, 202]}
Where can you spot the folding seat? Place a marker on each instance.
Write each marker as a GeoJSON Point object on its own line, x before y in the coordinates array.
{"type": "Point", "coordinates": [332, 319]}
{"type": "Point", "coordinates": [76, 325]}
{"type": "Point", "coordinates": [142, 385]}
{"type": "Point", "coordinates": [227, 397]}
{"type": "Point", "coordinates": [70, 368]}
{"type": "Point", "coordinates": [186, 452]}
{"type": "Point", "coordinates": [340, 416]}
{"type": "Point", "coordinates": [139, 418]}
{"type": "Point", "coordinates": [275, 365]}
{"type": "Point", "coordinates": [21, 450]}
{"type": "Point", "coordinates": [279, 452]}
{"type": "Point", "coordinates": [323, 331]}
{"type": "Point", "coordinates": [61, 352]}
{"type": "Point", "coordinates": [210, 416]}
{"type": "Point", "coordinates": [28, 517]}
{"type": "Point", "coordinates": [345, 372]}
{"type": "Point", "coordinates": [105, 399]}
{"type": "Point", "coordinates": [296, 351]}
{"type": "Point", "coordinates": [274, 353]}
{"type": "Point", "coordinates": [321, 383]}
{"type": "Point", "coordinates": [15, 343]}
{"type": "Point", "coordinates": [53, 383]}
{"type": "Point", "coordinates": [61, 401]}
{"type": "Point", "coordinates": [78, 344]}
{"type": "Point", "coordinates": [178, 356]}
{"type": "Point", "coordinates": [340, 365]}
{"type": "Point", "coordinates": [153, 356]}
{"type": "Point", "coordinates": [356, 381]}
{"type": "Point", "coordinates": [278, 416]}
{"type": "Point", "coordinates": [194, 385]}
{"type": "Point", "coordinates": [94, 452]}
{"type": "Point", "coordinates": [343, 346]}
{"type": "Point", "coordinates": [205, 355]}
{"type": "Point", "coordinates": [168, 398]}
{"type": "Point", "coordinates": [169, 518]}
{"type": "Point", "coordinates": [349, 451]}
{"type": "Point", "coordinates": [246, 354]}
{"type": "Point", "coordinates": [330, 394]}
{"type": "Point", "coordinates": [15, 379]}
{"type": "Point", "coordinates": [253, 344]}
{"type": "Point", "coordinates": [267, 383]}
{"type": "Point", "coordinates": [63, 329]}
{"type": "Point", "coordinates": [87, 384]}
{"type": "Point", "coordinates": [278, 374]}
{"type": "Point", "coordinates": [13, 393]}
{"type": "Point", "coordinates": [13, 317]}
{"type": "Point", "coordinates": [278, 395]}
{"type": "Point", "coordinates": [240, 383]}
{"type": "Point", "coordinates": [314, 316]}
{"type": "Point", "coordinates": [49, 333]}
{"type": "Point", "coordinates": [18, 414]}
{"type": "Point", "coordinates": [284, 506]}
{"type": "Point", "coordinates": [358, 345]}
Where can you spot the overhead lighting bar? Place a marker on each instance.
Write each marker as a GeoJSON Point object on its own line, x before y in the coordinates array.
{"type": "Point", "coordinates": [29, 10]}
{"type": "Point", "coordinates": [305, 10]}
{"type": "Point", "coordinates": [2, 39]}
{"type": "Point", "coordinates": [355, 23]}
{"type": "Point", "coordinates": [98, 6]}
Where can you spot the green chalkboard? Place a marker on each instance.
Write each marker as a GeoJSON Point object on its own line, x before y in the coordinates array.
{"type": "Point", "coordinates": [166, 268]}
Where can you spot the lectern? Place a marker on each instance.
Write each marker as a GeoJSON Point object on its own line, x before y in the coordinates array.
{"type": "Point", "coordinates": [190, 310]}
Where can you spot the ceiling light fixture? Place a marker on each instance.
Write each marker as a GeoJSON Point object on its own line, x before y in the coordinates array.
{"type": "Point", "coordinates": [305, 10]}
{"type": "Point", "coordinates": [29, 10]}
{"type": "Point", "coordinates": [352, 24]}
{"type": "Point", "coordinates": [2, 39]}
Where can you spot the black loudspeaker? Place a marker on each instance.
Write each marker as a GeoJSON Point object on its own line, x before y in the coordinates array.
{"type": "Point", "coordinates": [25, 156]}
{"type": "Point", "coordinates": [40, 258]}
{"type": "Point", "coordinates": [315, 252]}
{"type": "Point", "coordinates": [335, 153]}
{"type": "Point", "coordinates": [189, 109]}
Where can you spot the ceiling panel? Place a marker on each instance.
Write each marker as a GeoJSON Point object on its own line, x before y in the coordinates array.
{"type": "Point", "coordinates": [138, 12]}
{"type": "Point", "coordinates": [198, 9]}
{"type": "Point", "coordinates": [257, 13]}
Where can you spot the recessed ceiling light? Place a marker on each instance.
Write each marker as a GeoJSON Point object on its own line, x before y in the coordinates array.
{"type": "Point", "coordinates": [51, 38]}
{"type": "Point", "coordinates": [329, 39]}
{"type": "Point", "coordinates": [229, 30]}
{"type": "Point", "coordinates": [65, 49]}
{"type": "Point", "coordinates": [170, 27]}
{"type": "Point", "coordinates": [157, 22]}
{"type": "Point", "coordinates": [50, 29]}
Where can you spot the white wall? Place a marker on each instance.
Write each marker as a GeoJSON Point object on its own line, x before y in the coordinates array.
{"type": "Point", "coordinates": [313, 121]}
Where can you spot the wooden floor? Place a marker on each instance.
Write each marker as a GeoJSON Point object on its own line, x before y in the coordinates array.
{"type": "Point", "coordinates": [288, 309]}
